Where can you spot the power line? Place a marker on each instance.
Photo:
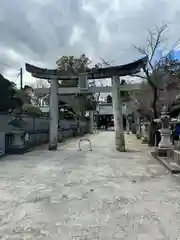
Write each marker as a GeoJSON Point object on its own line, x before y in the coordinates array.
{"type": "Point", "coordinates": [16, 77]}
{"type": "Point", "coordinates": [7, 65]}
{"type": "Point", "coordinates": [20, 74]}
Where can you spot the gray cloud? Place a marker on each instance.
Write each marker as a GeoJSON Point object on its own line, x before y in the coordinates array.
{"type": "Point", "coordinates": [16, 31]}
{"type": "Point", "coordinates": [42, 31]}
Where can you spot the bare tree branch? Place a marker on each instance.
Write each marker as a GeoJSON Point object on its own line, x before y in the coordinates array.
{"type": "Point", "coordinates": [154, 40]}
{"type": "Point", "coordinates": [141, 50]}
{"type": "Point", "coordinates": [157, 36]}
{"type": "Point", "coordinates": [145, 52]}
{"type": "Point", "coordinates": [105, 62]}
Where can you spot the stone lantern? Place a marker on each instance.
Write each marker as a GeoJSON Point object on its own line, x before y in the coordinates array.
{"type": "Point", "coordinates": [165, 143]}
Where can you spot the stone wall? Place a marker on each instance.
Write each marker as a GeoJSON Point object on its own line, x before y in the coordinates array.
{"type": "Point", "coordinates": [37, 130]}
{"type": "Point", "coordinates": [34, 124]}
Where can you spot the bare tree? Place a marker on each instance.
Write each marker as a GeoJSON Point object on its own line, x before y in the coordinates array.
{"type": "Point", "coordinates": [157, 74]}
{"type": "Point", "coordinates": [153, 71]}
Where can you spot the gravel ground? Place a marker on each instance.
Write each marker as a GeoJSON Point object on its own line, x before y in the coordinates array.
{"type": "Point", "coordinates": [86, 195]}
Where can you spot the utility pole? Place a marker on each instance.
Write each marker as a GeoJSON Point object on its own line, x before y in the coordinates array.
{"type": "Point", "coordinates": [21, 78]}
{"type": "Point", "coordinates": [118, 118]}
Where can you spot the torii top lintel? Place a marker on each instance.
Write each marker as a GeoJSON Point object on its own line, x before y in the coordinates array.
{"type": "Point", "coordinates": [94, 73]}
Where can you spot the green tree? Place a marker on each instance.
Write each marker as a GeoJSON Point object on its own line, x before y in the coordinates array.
{"type": "Point", "coordinates": [31, 110]}
{"type": "Point", "coordinates": [7, 94]}
{"type": "Point", "coordinates": [73, 66]}
{"type": "Point", "coordinates": [24, 94]}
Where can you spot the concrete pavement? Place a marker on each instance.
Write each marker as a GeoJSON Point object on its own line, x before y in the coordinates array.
{"type": "Point", "coordinates": [84, 195]}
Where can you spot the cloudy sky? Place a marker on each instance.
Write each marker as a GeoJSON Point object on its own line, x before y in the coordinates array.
{"type": "Point", "coordinates": [40, 31]}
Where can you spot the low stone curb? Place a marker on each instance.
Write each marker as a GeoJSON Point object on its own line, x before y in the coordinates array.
{"type": "Point", "coordinates": [173, 169]}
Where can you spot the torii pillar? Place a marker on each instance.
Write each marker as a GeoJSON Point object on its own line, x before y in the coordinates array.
{"type": "Point", "coordinates": [54, 115]}
{"type": "Point", "coordinates": [118, 118]}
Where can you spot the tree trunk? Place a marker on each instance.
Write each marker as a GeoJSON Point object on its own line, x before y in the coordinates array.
{"type": "Point", "coordinates": [151, 131]}
{"type": "Point", "coordinates": [154, 104]}
{"type": "Point", "coordinates": [153, 127]}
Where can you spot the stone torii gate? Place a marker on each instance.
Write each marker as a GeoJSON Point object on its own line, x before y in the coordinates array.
{"type": "Point", "coordinates": [95, 73]}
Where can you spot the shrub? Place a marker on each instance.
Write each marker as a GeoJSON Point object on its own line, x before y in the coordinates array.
{"type": "Point", "coordinates": [32, 111]}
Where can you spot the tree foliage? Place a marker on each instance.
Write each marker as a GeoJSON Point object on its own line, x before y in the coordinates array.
{"type": "Point", "coordinates": [16, 101]}
{"type": "Point", "coordinates": [7, 93]}
{"type": "Point", "coordinates": [24, 95]}
{"type": "Point", "coordinates": [73, 66]}
{"type": "Point", "coordinates": [32, 111]}
{"type": "Point", "coordinates": [78, 64]}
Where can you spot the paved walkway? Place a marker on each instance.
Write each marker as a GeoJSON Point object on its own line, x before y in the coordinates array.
{"type": "Point", "coordinates": [101, 194]}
